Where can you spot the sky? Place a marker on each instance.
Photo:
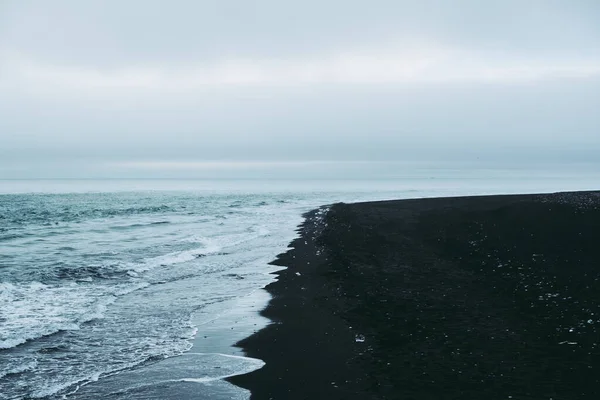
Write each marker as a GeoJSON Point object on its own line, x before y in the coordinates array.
{"type": "Point", "coordinates": [270, 88]}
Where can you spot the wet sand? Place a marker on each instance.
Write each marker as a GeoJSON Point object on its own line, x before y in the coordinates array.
{"type": "Point", "coordinates": [492, 297]}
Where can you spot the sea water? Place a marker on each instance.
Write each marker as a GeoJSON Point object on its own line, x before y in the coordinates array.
{"type": "Point", "coordinates": [139, 289]}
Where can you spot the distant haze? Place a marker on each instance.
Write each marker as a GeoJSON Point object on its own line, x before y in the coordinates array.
{"type": "Point", "coordinates": [271, 88]}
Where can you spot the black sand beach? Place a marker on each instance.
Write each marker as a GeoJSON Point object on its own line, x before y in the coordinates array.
{"type": "Point", "coordinates": [492, 297]}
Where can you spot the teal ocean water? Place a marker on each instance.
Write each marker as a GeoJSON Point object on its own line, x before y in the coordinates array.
{"type": "Point", "coordinates": [133, 289]}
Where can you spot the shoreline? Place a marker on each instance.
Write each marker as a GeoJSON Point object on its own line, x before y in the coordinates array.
{"type": "Point", "coordinates": [460, 297]}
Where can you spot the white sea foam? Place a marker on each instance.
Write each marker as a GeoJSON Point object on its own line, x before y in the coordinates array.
{"type": "Point", "coordinates": [209, 247]}
{"type": "Point", "coordinates": [229, 365]}
{"type": "Point", "coordinates": [17, 367]}
{"type": "Point", "coordinates": [32, 310]}
{"type": "Point", "coordinates": [53, 388]}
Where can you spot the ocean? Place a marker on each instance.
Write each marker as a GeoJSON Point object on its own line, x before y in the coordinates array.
{"type": "Point", "coordinates": [139, 289]}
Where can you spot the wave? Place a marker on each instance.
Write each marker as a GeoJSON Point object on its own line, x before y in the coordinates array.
{"type": "Point", "coordinates": [56, 388]}
{"type": "Point", "coordinates": [134, 226]}
{"type": "Point", "coordinates": [12, 236]}
{"type": "Point", "coordinates": [164, 260]}
{"type": "Point", "coordinates": [73, 374]}
{"type": "Point", "coordinates": [34, 310]}
{"type": "Point", "coordinates": [66, 248]}
{"type": "Point", "coordinates": [11, 369]}
{"type": "Point", "coordinates": [88, 273]}
{"type": "Point", "coordinates": [18, 215]}
{"type": "Point", "coordinates": [70, 295]}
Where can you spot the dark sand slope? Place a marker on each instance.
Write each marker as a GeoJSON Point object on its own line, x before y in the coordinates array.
{"type": "Point", "coordinates": [460, 298]}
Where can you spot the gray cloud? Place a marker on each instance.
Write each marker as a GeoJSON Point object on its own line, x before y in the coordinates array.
{"type": "Point", "coordinates": [112, 32]}
{"type": "Point", "coordinates": [110, 82]}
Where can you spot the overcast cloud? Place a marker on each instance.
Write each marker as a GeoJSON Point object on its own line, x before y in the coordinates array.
{"type": "Point", "coordinates": [219, 88]}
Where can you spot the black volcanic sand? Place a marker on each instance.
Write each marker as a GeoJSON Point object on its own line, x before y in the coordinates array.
{"type": "Point", "coordinates": [459, 298]}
